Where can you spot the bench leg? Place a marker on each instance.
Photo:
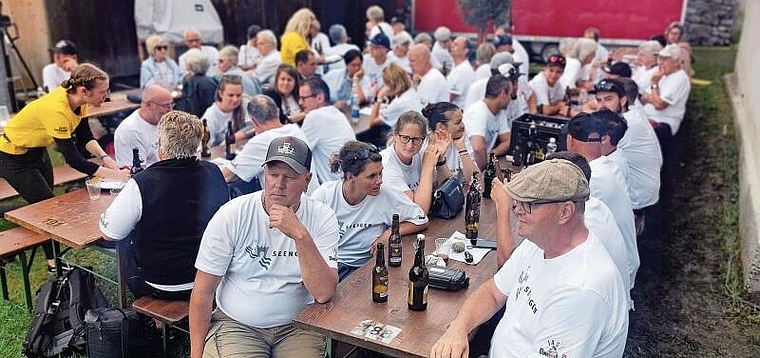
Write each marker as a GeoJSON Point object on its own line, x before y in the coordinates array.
{"type": "Point", "coordinates": [3, 280]}
{"type": "Point", "coordinates": [163, 338]}
{"type": "Point", "coordinates": [25, 266]}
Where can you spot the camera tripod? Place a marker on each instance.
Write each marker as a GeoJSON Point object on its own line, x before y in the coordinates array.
{"type": "Point", "coordinates": [6, 38]}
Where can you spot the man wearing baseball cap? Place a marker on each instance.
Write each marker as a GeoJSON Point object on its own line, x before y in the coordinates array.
{"type": "Point", "coordinates": [546, 86]}
{"type": "Point", "coordinates": [277, 248]}
{"type": "Point", "coordinates": [374, 63]}
{"type": "Point", "coordinates": [665, 100]}
{"type": "Point", "coordinates": [564, 296]}
{"type": "Point", "coordinates": [65, 57]}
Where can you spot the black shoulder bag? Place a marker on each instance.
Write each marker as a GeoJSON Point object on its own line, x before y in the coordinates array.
{"type": "Point", "coordinates": [448, 199]}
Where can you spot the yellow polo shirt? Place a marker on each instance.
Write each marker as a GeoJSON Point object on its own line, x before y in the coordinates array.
{"type": "Point", "coordinates": [292, 42]}
{"type": "Point", "coordinates": [40, 121]}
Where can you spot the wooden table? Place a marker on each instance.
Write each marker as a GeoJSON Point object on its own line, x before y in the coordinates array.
{"type": "Point", "coordinates": [113, 107]}
{"type": "Point", "coordinates": [419, 330]}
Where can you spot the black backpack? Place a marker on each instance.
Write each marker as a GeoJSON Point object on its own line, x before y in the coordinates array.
{"type": "Point", "coordinates": [58, 324]}
{"type": "Point", "coordinates": [120, 333]}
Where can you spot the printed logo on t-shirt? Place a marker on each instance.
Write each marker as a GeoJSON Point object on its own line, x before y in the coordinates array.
{"type": "Point", "coordinates": [525, 289]}
{"type": "Point", "coordinates": [260, 253]}
{"type": "Point", "coordinates": [553, 349]}
{"type": "Point", "coordinates": [61, 130]}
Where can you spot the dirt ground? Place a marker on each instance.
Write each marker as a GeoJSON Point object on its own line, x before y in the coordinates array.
{"type": "Point", "coordinates": [682, 305]}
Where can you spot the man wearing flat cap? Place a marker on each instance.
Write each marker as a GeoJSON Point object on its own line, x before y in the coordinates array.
{"type": "Point", "coordinates": [563, 294]}
{"type": "Point", "coordinates": [265, 256]}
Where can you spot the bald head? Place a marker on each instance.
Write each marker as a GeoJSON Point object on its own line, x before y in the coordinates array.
{"type": "Point", "coordinates": [156, 101]}
{"type": "Point", "coordinates": [419, 59]}
{"type": "Point", "coordinates": [192, 38]}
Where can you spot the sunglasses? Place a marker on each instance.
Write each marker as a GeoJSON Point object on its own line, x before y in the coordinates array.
{"type": "Point", "coordinates": [162, 47]}
{"type": "Point", "coordinates": [366, 152]}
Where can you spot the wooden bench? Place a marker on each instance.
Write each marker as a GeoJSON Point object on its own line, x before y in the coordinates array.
{"type": "Point", "coordinates": [61, 175]}
{"type": "Point", "coordinates": [170, 313]}
{"type": "Point", "coordinates": [15, 242]}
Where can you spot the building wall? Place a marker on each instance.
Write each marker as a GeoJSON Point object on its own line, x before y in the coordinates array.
{"type": "Point", "coordinates": [744, 87]}
{"type": "Point", "coordinates": [30, 17]}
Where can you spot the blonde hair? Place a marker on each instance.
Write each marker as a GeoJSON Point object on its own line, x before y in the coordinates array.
{"type": "Point", "coordinates": [300, 22]}
{"type": "Point", "coordinates": [396, 78]}
{"type": "Point", "coordinates": [375, 13]}
{"type": "Point", "coordinates": [180, 134]}
{"type": "Point", "coordinates": [152, 41]}
{"type": "Point", "coordinates": [84, 75]}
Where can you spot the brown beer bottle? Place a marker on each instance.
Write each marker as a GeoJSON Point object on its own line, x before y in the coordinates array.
{"type": "Point", "coordinates": [380, 276]}
{"type": "Point", "coordinates": [472, 211]}
{"type": "Point", "coordinates": [394, 244]}
{"type": "Point", "coordinates": [230, 142]}
{"type": "Point", "coordinates": [418, 278]}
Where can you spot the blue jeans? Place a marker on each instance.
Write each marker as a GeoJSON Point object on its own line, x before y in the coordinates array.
{"type": "Point", "coordinates": [345, 270]}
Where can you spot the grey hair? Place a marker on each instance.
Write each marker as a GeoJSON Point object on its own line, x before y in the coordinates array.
{"type": "Point", "coordinates": [180, 135]}
{"type": "Point", "coordinates": [584, 47]}
{"type": "Point", "coordinates": [376, 13]}
{"type": "Point", "coordinates": [423, 37]}
{"type": "Point", "coordinates": [197, 61]}
{"type": "Point", "coordinates": [651, 47]}
{"type": "Point", "coordinates": [566, 45]}
{"type": "Point", "coordinates": [229, 53]}
{"type": "Point", "coordinates": [269, 35]}
{"type": "Point", "coordinates": [337, 32]}
{"type": "Point", "coordinates": [501, 58]}
{"type": "Point", "coordinates": [402, 39]}
{"type": "Point", "coordinates": [262, 109]}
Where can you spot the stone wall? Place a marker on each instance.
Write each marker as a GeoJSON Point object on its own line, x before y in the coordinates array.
{"type": "Point", "coordinates": [711, 22]}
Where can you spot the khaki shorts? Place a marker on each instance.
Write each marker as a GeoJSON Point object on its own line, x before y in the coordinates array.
{"type": "Point", "coordinates": [231, 339]}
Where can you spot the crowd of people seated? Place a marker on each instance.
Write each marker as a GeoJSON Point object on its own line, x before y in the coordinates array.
{"type": "Point", "coordinates": [304, 202]}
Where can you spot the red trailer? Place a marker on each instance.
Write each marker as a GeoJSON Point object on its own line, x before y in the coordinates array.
{"type": "Point", "coordinates": [540, 24]}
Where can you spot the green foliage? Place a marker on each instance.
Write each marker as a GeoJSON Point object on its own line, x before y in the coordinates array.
{"type": "Point", "coordinates": [480, 13]}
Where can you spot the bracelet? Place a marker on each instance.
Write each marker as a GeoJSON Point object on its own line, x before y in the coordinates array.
{"type": "Point", "coordinates": [463, 151]}
{"type": "Point", "coordinates": [441, 163]}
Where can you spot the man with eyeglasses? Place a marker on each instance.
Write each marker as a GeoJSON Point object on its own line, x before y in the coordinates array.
{"type": "Point", "coordinates": [193, 40]}
{"type": "Point", "coordinates": [485, 122]}
{"type": "Point", "coordinates": [139, 130]}
{"type": "Point", "coordinates": [562, 293]}
{"type": "Point", "coordinates": [325, 126]}
{"type": "Point", "coordinates": [585, 132]}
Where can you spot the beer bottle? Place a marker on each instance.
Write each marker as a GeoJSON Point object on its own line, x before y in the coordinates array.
{"type": "Point", "coordinates": [394, 244]}
{"type": "Point", "coordinates": [488, 175]}
{"type": "Point", "coordinates": [418, 278]}
{"type": "Point", "coordinates": [472, 211]}
{"type": "Point", "coordinates": [380, 276]}
{"type": "Point", "coordinates": [136, 162]}
{"type": "Point", "coordinates": [551, 147]}
{"type": "Point", "coordinates": [568, 97]}
{"type": "Point", "coordinates": [205, 152]}
{"type": "Point", "coordinates": [517, 156]}
{"type": "Point", "coordinates": [230, 142]}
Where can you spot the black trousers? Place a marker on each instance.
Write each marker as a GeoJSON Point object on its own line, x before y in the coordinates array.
{"type": "Point", "coordinates": [31, 175]}
{"type": "Point", "coordinates": [136, 279]}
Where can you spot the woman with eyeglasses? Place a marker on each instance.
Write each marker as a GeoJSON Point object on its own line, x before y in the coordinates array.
{"type": "Point", "coordinates": [285, 94]}
{"type": "Point", "coordinates": [159, 68]}
{"type": "Point", "coordinates": [446, 117]}
{"type": "Point", "coordinates": [410, 170]}
{"type": "Point", "coordinates": [56, 118]}
{"type": "Point", "coordinates": [364, 206]}
{"type": "Point", "coordinates": [229, 106]}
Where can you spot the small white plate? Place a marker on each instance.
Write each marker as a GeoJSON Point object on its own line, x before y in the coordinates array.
{"type": "Point", "coordinates": [109, 184]}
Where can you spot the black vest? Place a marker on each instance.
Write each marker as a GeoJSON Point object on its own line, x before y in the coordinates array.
{"type": "Point", "coordinates": [179, 197]}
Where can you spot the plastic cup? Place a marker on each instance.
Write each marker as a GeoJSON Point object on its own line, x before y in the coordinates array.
{"type": "Point", "coordinates": [443, 248]}
{"type": "Point", "coordinates": [93, 188]}
{"type": "Point", "coordinates": [4, 116]}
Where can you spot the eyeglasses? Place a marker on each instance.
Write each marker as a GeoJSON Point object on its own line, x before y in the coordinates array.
{"type": "Point", "coordinates": [528, 206]}
{"type": "Point", "coordinates": [366, 152]}
{"type": "Point", "coordinates": [162, 47]}
{"type": "Point", "coordinates": [166, 106]}
{"type": "Point", "coordinates": [309, 96]}
{"type": "Point", "coordinates": [193, 40]}
{"type": "Point", "coordinates": [415, 140]}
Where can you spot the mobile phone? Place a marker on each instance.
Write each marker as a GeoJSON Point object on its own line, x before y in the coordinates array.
{"type": "Point", "coordinates": [485, 244]}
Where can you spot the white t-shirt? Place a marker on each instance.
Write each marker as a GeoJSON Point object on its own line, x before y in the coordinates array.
{"type": "Point", "coordinates": [572, 73]}
{"type": "Point", "coordinates": [326, 130]}
{"type": "Point", "coordinates": [387, 30]}
{"type": "Point", "coordinates": [248, 162]}
{"type": "Point", "coordinates": [267, 67]}
{"type": "Point", "coordinates": [339, 49]}
{"type": "Point", "coordinates": [217, 122]}
{"type": "Point", "coordinates": [574, 305]}
{"type": "Point", "coordinates": [402, 62]}
{"type": "Point", "coordinates": [521, 55]}
{"type": "Point", "coordinates": [360, 225]}
{"type": "Point", "coordinates": [479, 121]}
{"type": "Point", "coordinates": [248, 56]}
{"type": "Point", "coordinates": [262, 284]}
{"type": "Point", "coordinates": [674, 90]}
{"type": "Point", "coordinates": [599, 220]}
{"type": "Point", "coordinates": [619, 159]}
{"type": "Point", "coordinates": [52, 76]}
{"type": "Point", "coordinates": [477, 92]}
{"type": "Point", "coordinates": [602, 54]}
{"type": "Point", "coordinates": [544, 94]}
{"type": "Point", "coordinates": [442, 56]}
{"type": "Point", "coordinates": [373, 73]}
{"type": "Point", "coordinates": [135, 132]}
{"type": "Point", "coordinates": [407, 101]}
{"type": "Point", "coordinates": [642, 152]}
{"type": "Point", "coordinates": [400, 176]}
{"type": "Point", "coordinates": [606, 185]}
{"type": "Point", "coordinates": [323, 41]}
{"type": "Point", "coordinates": [643, 77]}
{"type": "Point", "coordinates": [433, 88]}
{"type": "Point", "coordinates": [483, 71]}
{"type": "Point", "coordinates": [459, 80]}
{"type": "Point", "coordinates": [213, 57]}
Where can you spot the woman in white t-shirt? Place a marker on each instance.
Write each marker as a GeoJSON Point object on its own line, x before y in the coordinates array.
{"type": "Point", "coordinates": [285, 94]}
{"type": "Point", "coordinates": [364, 207]}
{"type": "Point", "coordinates": [446, 117]}
{"type": "Point", "coordinates": [229, 106]}
{"type": "Point", "coordinates": [396, 97]}
{"type": "Point", "coordinates": [407, 168]}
